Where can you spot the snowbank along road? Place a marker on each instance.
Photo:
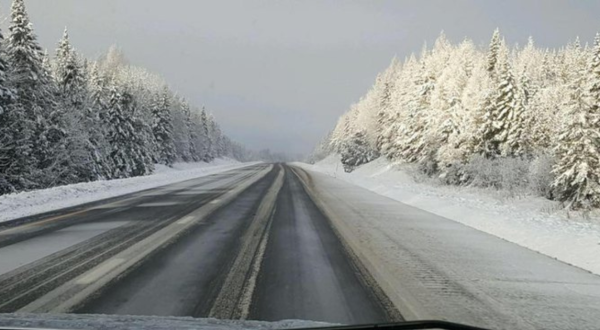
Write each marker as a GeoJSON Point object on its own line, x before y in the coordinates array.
{"type": "Point", "coordinates": [275, 242]}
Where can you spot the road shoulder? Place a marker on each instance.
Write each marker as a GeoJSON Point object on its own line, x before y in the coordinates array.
{"type": "Point", "coordinates": [432, 267]}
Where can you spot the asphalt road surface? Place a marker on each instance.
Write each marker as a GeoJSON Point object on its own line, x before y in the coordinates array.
{"type": "Point", "coordinates": [40, 254]}
{"type": "Point", "coordinates": [304, 255]}
{"type": "Point", "coordinates": [274, 242]}
{"type": "Point", "coordinates": [245, 244]}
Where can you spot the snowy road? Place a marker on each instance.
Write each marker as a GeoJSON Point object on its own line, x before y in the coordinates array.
{"type": "Point", "coordinates": [254, 259]}
{"type": "Point", "coordinates": [304, 255]}
{"type": "Point", "coordinates": [47, 251]}
{"type": "Point", "coordinates": [273, 242]}
{"type": "Point", "coordinates": [264, 252]}
{"type": "Point", "coordinates": [184, 279]}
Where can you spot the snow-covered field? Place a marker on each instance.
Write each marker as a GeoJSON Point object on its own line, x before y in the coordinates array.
{"type": "Point", "coordinates": [23, 204]}
{"type": "Point", "coordinates": [118, 322]}
{"type": "Point", "coordinates": [533, 222]}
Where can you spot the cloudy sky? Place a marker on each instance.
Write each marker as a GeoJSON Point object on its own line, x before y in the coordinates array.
{"type": "Point", "coordinates": [277, 74]}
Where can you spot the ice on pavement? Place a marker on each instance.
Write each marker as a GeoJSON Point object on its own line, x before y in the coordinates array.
{"type": "Point", "coordinates": [435, 268]}
{"type": "Point", "coordinates": [533, 222]}
{"type": "Point", "coordinates": [119, 322]}
{"type": "Point", "coordinates": [13, 206]}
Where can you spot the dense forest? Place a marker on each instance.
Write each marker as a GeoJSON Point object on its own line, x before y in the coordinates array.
{"type": "Point", "coordinates": [66, 119]}
{"type": "Point", "coordinates": [504, 117]}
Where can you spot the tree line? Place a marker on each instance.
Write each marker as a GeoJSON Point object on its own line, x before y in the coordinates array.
{"type": "Point", "coordinates": [498, 116]}
{"type": "Point", "coordinates": [66, 119]}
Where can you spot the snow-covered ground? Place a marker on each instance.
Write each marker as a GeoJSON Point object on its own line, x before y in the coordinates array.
{"type": "Point", "coordinates": [533, 222]}
{"type": "Point", "coordinates": [23, 204]}
{"type": "Point", "coordinates": [118, 322]}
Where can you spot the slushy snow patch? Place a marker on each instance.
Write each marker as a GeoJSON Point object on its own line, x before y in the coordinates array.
{"type": "Point", "coordinates": [532, 222]}
{"type": "Point", "coordinates": [18, 205]}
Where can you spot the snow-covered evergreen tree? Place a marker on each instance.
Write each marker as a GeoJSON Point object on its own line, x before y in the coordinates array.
{"type": "Point", "coordinates": [99, 120]}
{"type": "Point", "coordinates": [191, 154]}
{"type": "Point", "coordinates": [71, 120]}
{"type": "Point", "coordinates": [205, 136]}
{"type": "Point", "coordinates": [411, 144]}
{"type": "Point", "coordinates": [219, 147]}
{"type": "Point", "coordinates": [7, 134]}
{"type": "Point", "coordinates": [6, 94]}
{"type": "Point", "coordinates": [213, 138]}
{"type": "Point", "coordinates": [457, 101]}
{"type": "Point", "coordinates": [383, 101]}
{"type": "Point", "coordinates": [578, 168]}
{"type": "Point", "coordinates": [130, 153]}
{"type": "Point", "coordinates": [120, 134]}
{"type": "Point", "coordinates": [80, 157]}
{"type": "Point", "coordinates": [494, 53]}
{"type": "Point", "coordinates": [502, 131]}
{"type": "Point", "coordinates": [356, 151]}
{"type": "Point", "coordinates": [197, 134]}
{"type": "Point", "coordinates": [162, 128]}
{"type": "Point", "coordinates": [594, 83]}
{"type": "Point", "coordinates": [399, 112]}
{"type": "Point", "coordinates": [140, 145]}
{"type": "Point", "coordinates": [454, 103]}
{"type": "Point", "coordinates": [32, 109]}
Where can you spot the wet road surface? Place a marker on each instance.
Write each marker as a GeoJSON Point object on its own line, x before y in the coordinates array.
{"type": "Point", "coordinates": [268, 253]}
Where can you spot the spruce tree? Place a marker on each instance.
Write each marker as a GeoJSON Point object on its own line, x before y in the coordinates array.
{"type": "Point", "coordinates": [411, 144]}
{"type": "Point", "coordinates": [216, 137]}
{"type": "Point", "coordinates": [594, 83]}
{"type": "Point", "coordinates": [577, 169]}
{"type": "Point", "coordinates": [67, 71]}
{"type": "Point", "coordinates": [212, 138]}
{"type": "Point", "coordinates": [493, 53]}
{"type": "Point", "coordinates": [98, 116]}
{"type": "Point", "coordinates": [205, 133]}
{"type": "Point", "coordinates": [512, 112]}
{"type": "Point", "coordinates": [6, 94]}
{"type": "Point", "coordinates": [193, 135]}
{"type": "Point", "coordinates": [162, 128]}
{"type": "Point", "coordinates": [62, 121]}
{"type": "Point", "coordinates": [119, 135]}
{"type": "Point", "coordinates": [7, 133]}
{"type": "Point", "coordinates": [81, 157]}
{"type": "Point", "coordinates": [384, 88]}
{"type": "Point", "coordinates": [129, 151]}
{"type": "Point", "coordinates": [33, 105]}
{"type": "Point", "coordinates": [502, 131]}
{"type": "Point", "coordinates": [356, 151]}
{"type": "Point", "coordinates": [140, 145]}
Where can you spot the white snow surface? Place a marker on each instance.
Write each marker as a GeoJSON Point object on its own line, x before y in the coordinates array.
{"type": "Point", "coordinates": [530, 221]}
{"type": "Point", "coordinates": [120, 322]}
{"type": "Point", "coordinates": [13, 206]}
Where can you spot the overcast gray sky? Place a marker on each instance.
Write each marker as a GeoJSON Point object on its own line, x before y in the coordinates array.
{"type": "Point", "coordinates": [277, 74]}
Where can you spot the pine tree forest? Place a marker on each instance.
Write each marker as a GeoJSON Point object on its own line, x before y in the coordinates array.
{"type": "Point", "coordinates": [519, 117]}
{"type": "Point", "coordinates": [67, 119]}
